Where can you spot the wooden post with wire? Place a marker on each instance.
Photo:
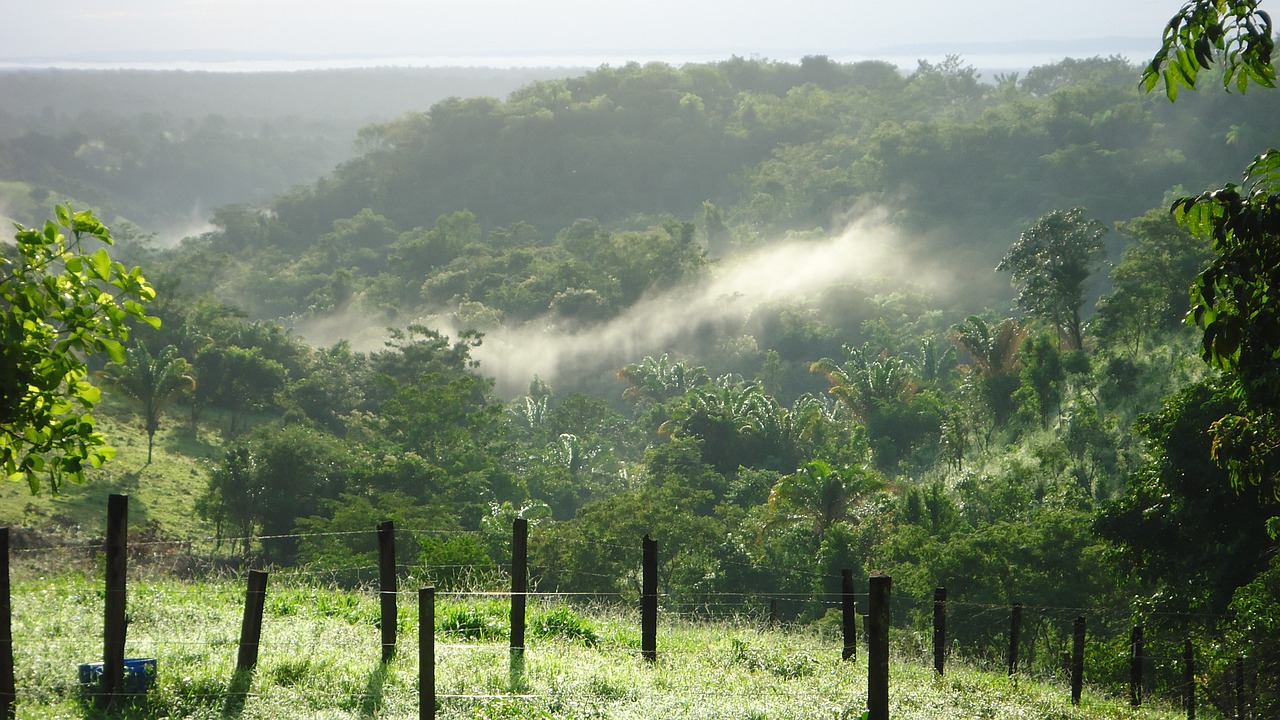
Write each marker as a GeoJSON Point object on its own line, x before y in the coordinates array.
{"type": "Point", "coordinates": [387, 587]}
{"type": "Point", "coordinates": [519, 599]}
{"type": "Point", "coordinates": [114, 619]}
{"type": "Point", "coordinates": [1015, 631]}
{"type": "Point", "coordinates": [878, 647]}
{"type": "Point", "coordinates": [1136, 653]}
{"type": "Point", "coordinates": [1240, 710]}
{"type": "Point", "coordinates": [939, 629]}
{"type": "Point", "coordinates": [255, 600]}
{"type": "Point", "coordinates": [849, 616]}
{"type": "Point", "coordinates": [427, 653]}
{"type": "Point", "coordinates": [649, 600]}
{"type": "Point", "coordinates": [1189, 679]}
{"type": "Point", "coordinates": [1077, 661]}
{"type": "Point", "coordinates": [8, 683]}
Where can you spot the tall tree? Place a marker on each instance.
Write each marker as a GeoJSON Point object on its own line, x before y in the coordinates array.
{"type": "Point", "coordinates": [1050, 262]}
{"type": "Point", "coordinates": [153, 382]}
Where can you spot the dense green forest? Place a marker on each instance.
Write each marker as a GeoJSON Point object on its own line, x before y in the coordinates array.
{"type": "Point", "coordinates": [160, 149]}
{"type": "Point", "coordinates": [785, 318]}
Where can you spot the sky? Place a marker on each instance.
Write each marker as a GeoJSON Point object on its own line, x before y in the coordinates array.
{"type": "Point", "coordinates": [612, 31]}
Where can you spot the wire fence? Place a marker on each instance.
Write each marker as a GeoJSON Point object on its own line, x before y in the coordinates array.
{"type": "Point", "coordinates": [475, 667]}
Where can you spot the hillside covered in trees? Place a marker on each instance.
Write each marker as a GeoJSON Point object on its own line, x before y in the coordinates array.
{"type": "Point", "coordinates": [787, 318]}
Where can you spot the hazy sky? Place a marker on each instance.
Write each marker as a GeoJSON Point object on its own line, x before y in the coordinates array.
{"type": "Point", "coordinates": [774, 29]}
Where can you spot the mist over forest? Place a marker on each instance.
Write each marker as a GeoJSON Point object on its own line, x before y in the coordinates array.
{"type": "Point", "coordinates": [791, 314]}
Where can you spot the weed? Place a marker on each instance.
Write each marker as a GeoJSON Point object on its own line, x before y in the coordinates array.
{"type": "Point", "coordinates": [783, 665]}
{"type": "Point", "coordinates": [470, 623]}
{"type": "Point", "coordinates": [563, 622]}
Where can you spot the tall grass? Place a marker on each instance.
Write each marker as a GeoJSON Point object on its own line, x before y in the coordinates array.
{"type": "Point", "coordinates": [320, 658]}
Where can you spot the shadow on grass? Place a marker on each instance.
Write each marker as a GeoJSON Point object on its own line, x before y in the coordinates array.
{"type": "Point", "coordinates": [180, 440]}
{"type": "Point", "coordinates": [371, 700]}
{"type": "Point", "coordinates": [237, 694]}
{"type": "Point", "coordinates": [124, 706]}
{"type": "Point", "coordinates": [519, 683]}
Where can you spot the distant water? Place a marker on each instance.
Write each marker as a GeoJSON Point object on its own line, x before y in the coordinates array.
{"type": "Point", "coordinates": [984, 61]}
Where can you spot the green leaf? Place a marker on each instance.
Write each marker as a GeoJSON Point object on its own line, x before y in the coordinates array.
{"type": "Point", "coordinates": [112, 348]}
{"type": "Point", "coordinates": [88, 392]}
{"type": "Point", "coordinates": [101, 264]}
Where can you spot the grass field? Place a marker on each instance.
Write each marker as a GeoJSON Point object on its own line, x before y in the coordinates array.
{"type": "Point", "coordinates": [320, 658]}
{"type": "Point", "coordinates": [320, 653]}
{"type": "Point", "coordinates": [161, 494]}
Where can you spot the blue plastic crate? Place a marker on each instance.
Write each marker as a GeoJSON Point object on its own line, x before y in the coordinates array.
{"type": "Point", "coordinates": [139, 673]}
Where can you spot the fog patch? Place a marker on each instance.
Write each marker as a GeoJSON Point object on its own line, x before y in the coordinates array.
{"type": "Point", "coordinates": [867, 250]}
{"type": "Point", "coordinates": [790, 270]}
{"type": "Point", "coordinates": [171, 231]}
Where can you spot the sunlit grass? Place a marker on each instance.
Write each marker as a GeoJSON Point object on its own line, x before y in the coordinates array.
{"type": "Point", "coordinates": [320, 657]}
{"type": "Point", "coordinates": [161, 494]}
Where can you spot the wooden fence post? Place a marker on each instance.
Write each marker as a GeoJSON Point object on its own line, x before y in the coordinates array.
{"type": "Point", "coordinates": [427, 653]}
{"type": "Point", "coordinates": [849, 616]}
{"type": "Point", "coordinates": [649, 601]}
{"type": "Point", "coordinates": [939, 629]}
{"type": "Point", "coordinates": [255, 599]}
{"type": "Point", "coordinates": [1136, 653]}
{"type": "Point", "coordinates": [1015, 630]}
{"type": "Point", "coordinates": [8, 683]}
{"type": "Point", "coordinates": [1077, 661]}
{"type": "Point", "coordinates": [519, 590]}
{"type": "Point", "coordinates": [878, 647]}
{"type": "Point", "coordinates": [1189, 679]}
{"type": "Point", "coordinates": [387, 587]}
{"type": "Point", "coordinates": [114, 620]}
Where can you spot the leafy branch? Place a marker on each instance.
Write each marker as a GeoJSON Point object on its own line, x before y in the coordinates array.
{"type": "Point", "coordinates": [59, 304]}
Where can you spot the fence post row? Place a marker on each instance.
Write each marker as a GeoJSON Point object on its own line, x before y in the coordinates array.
{"type": "Point", "coordinates": [1136, 653]}
{"type": "Point", "coordinates": [387, 587]}
{"type": "Point", "coordinates": [939, 629]}
{"type": "Point", "coordinates": [649, 600]}
{"type": "Point", "coordinates": [878, 647]}
{"type": "Point", "coordinates": [1077, 661]}
{"type": "Point", "coordinates": [1015, 630]}
{"type": "Point", "coordinates": [112, 680]}
{"type": "Point", "coordinates": [8, 683]}
{"type": "Point", "coordinates": [877, 625]}
{"type": "Point", "coordinates": [849, 616]}
{"type": "Point", "coordinates": [427, 653]}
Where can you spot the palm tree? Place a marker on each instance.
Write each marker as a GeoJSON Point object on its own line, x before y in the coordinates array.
{"type": "Point", "coordinates": [820, 495]}
{"type": "Point", "coordinates": [993, 353]}
{"type": "Point", "coordinates": [864, 382]}
{"type": "Point", "coordinates": [153, 382]}
{"type": "Point", "coordinates": [991, 350]}
{"type": "Point", "coordinates": [661, 379]}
